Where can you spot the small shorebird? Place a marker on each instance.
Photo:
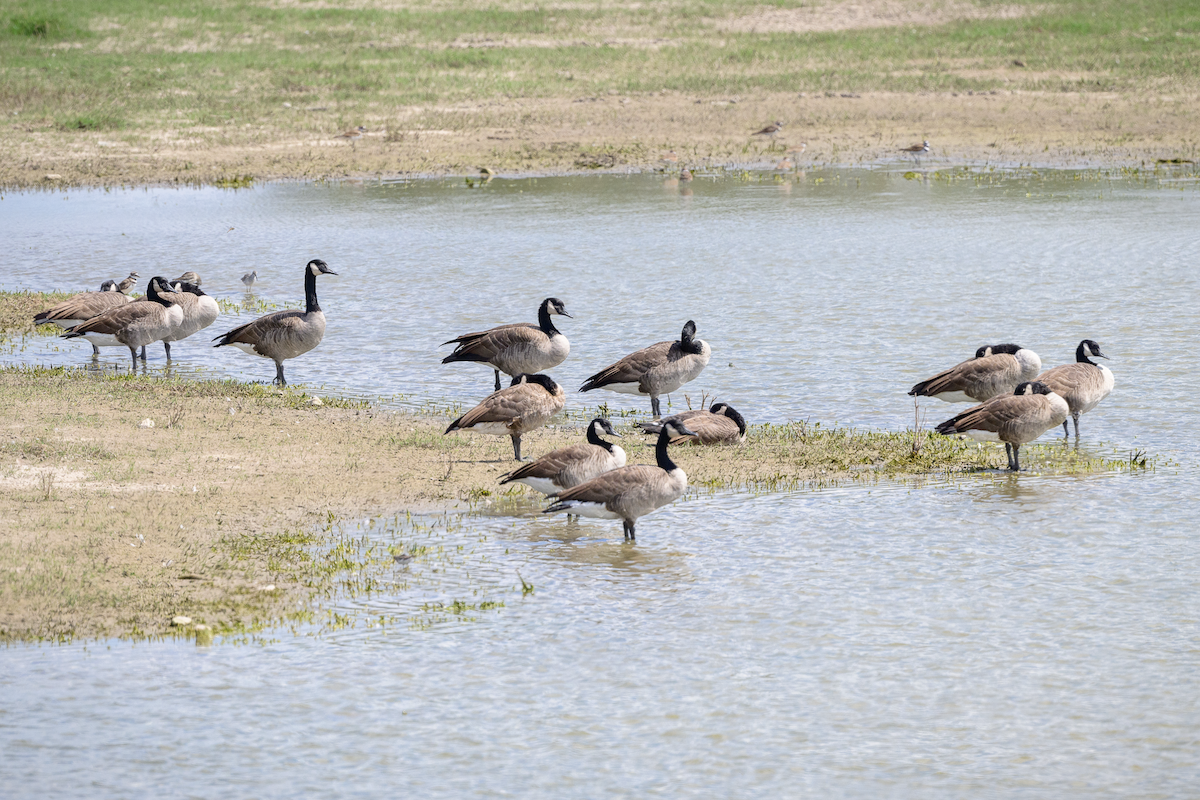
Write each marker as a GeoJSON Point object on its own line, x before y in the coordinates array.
{"type": "Point", "coordinates": [685, 175]}
{"type": "Point", "coordinates": [785, 165]}
{"type": "Point", "coordinates": [353, 134]}
{"type": "Point", "coordinates": [771, 130]}
{"type": "Point", "coordinates": [249, 278]}
{"type": "Point", "coordinates": [917, 150]}
{"type": "Point", "coordinates": [670, 157]}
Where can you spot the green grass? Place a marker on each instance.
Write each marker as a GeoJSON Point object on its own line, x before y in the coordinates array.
{"type": "Point", "coordinates": [124, 63]}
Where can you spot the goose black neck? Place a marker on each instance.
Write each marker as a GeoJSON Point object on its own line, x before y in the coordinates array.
{"type": "Point", "coordinates": [1081, 356]}
{"type": "Point", "coordinates": [738, 418]}
{"type": "Point", "coordinates": [660, 451]}
{"type": "Point", "coordinates": [310, 291]}
{"type": "Point", "coordinates": [152, 294]}
{"type": "Point", "coordinates": [594, 438]}
{"type": "Point", "coordinates": [544, 320]}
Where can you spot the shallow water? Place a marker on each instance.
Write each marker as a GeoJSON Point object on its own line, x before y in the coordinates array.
{"type": "Point", "coordinates": [987, 635]}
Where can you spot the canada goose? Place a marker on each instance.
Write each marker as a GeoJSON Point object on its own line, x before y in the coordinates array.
{"type": "Point", "coordinates": [517, 348]}
{"type": "Point", "coordinates": [187, 277]}
{"type": "Point", "coordinates": [656, 370]}
{"type": "Point", "coordinates": [570, 466]}
{"type": "Point", "coordinates": [771, 130]}
{"type": "Point", "coordinates": [135, 324]}
{"type": "Point", "coordinates": [995, 370]}
{"type": "Point", "coordinates": [249, 278]}
{"type": "Point", "coordinates": [629, 492]}
{"type": "Point", "coordinates": [284, 334]}
{"type": "Point", "coordinates": [83, 306]}
{"type": "Point", "coordinates": [199, 311]}
{"type": "Point", "coordinates": [1082, 384]}
{"type": "Point", "coordinates": [1014, 419]}
{"type": "Point", "coordinates": [721, 424]}
{"type": "Point", "coordinates": [528, 403]}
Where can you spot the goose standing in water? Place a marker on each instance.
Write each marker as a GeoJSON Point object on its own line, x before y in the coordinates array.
{"type": "Point", "coordinates": [79, 308]}
{"type": "Point", "coordinates": [1082, 384]}
{"type": "Point", "coordinates": [630, 492]}
{"type": "Point", "coordinates": [519, 347]}
{"type": "Point", "coordinates": [199, 311]}
{"type": "Point", "coordinates": [135, 324]}
{"type": "Point", "coordinates": [721, 424]}
{"type": "Point", "coordinates": [528, 403]}
{"type": "Point", "coordinates": [284, 334]}
{"type": "Point", "coordinates": [656, 370]}
{"type": "Point", "coordinates": [995, 370]}
{"type": "Point", "coordinates": [1012, 418]}
{"type": "Point", "coordinates": [572, 465]}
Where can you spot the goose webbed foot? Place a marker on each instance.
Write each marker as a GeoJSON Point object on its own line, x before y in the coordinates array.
{"type": "Point", "coordinates": [1014, 461]}
{"type": "Point", "coordinates": [143, 353]}
{"type": "Point", "coordinates": [279, 379]}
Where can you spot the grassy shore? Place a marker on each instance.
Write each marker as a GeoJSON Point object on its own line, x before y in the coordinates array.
{"type": "Point", "coordinates": [224, 511]}
{"type": "Point", "coordinates": [203, 92]}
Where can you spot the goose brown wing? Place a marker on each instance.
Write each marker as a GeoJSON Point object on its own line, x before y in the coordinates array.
{"type": "Point", "coordinates": [632, 367]}
{"type": "Point", "coordinates": [970, 375]}
{"type": "Point", "coordinates": [710, 429]}
{"type": "Point", "coordinates": [997, 415]}
{"type": "Point", "coordinates": [485, 345]}
{"type": "Point", "coordinates": [656, 426]}
{"type": "Point", "coordinates": [552, 464]}
{"type": "Point", "coordinates": [506, 405]}
{"type": "Point", "coordinates": [82, 306]}
{"type": "Point", "coordinates": [268, 328]}
{"type": "Point", "coordinates": [117, 319]}
{"type": "Point", "coordinates": [611, 485]}
{"type": "Point", "coordinates": [1065, 378]}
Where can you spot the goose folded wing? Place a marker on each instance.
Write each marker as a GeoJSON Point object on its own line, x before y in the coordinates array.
{"type": "Point", "coordinates": [964, 376]}
{"type": "Point", "coordinates": [495, 339]}
{"type": "Point", "coordinates": [612, 485]}
{"type": "Point", "coordinates": [632, 367]}
{"type": "Point", "coordinates": [552, 464]}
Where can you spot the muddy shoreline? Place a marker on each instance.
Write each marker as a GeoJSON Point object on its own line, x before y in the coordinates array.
{"type": "Point", "coordinates": [614, 132]}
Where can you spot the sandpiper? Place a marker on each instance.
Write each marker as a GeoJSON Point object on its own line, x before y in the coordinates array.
{"type": "Point", "coordinates": [249, 278]}
{"type": "Point", "coordinates": [353, 134]}
{"type": "Point", "coordinates": [772, 129]}
{"type": "Point", "coordinates": [685, 174]}
{"type": "Point", "coordinates": [917, 150]}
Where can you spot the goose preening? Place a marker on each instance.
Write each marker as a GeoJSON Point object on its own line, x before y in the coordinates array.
{"type": "Point", "coordinates": [1082, 384]}
{"type": "Point", "coordinates": [655, 370]}
{"type": "Point", "coordinates": [995, 370]}
{"type": "Point", "coordinates": [720, 424]}
{"type": "Point", "coordinates": [249, 278]}
{"type": "Point", "coordinates": [135, 324]}
{"type": "Point", "coordinates": [284, 334]}
{"type": "Point", "coordinates": [517, 348]}
{"type": "Point", "coordinates": [199, 311]}
{"type": "Point", "coordinates": [572, 465]}
{"type": "Point", "coordinates": [1014, 419]}
{"type": "Point", "coordinates": [629, 492]}
{"type": "Point", "coordinates": [528, 403]}
{"type": "Point", "coordinates": [79, 308]}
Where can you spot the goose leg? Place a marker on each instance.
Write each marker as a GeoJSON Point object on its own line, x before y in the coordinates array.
{"type": "Point", "coordinates": [1066, 430]}
{"type": "Point", "coordinates": [167, 347]}
{"type": "Point", "coordinates": [143, 355]}
{"type": "Point", "coordinates": [1076, 418]}
{"type": "Point", "coordinates": [1015, 466]}
{"type": "Point", "coordinates": [654, 407]}
{"type": "Point", "coordinates": [630, 535]}
{"type": "Point", "coordinates": [95, 351]}
{"type": "Point", "coordinates": [1008, 452]}
{"type": "Point", "coordinates": [282, 381]}
{"type": "Point", "coordinates": [516, 440]}
{"type": "Point", "coordinates": [497, 380]}
{"type": "Point", "coordinates": [134, 356]}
